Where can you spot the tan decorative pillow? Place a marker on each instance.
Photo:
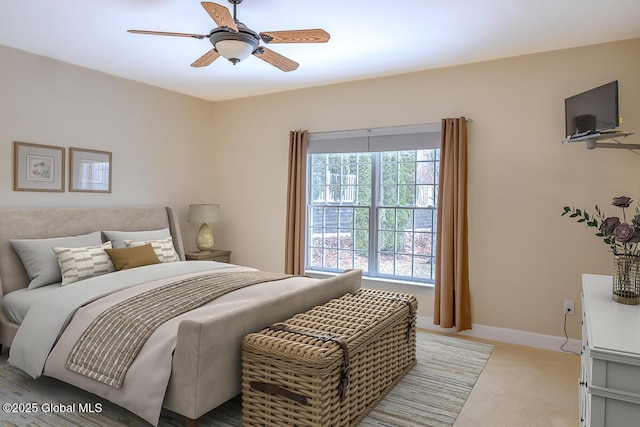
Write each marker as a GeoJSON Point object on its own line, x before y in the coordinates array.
{"type": "Point", "coordinates": [82, 263]}
{"type": "Point", "coordinates": [163, 248]}
{"type": "Point", "coordinates": [135, 256]}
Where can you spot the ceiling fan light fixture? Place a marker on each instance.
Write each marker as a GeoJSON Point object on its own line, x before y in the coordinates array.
{"type": "Point", "coordinates": [234, 50]}
{"type": "Point", "coordinates": [235, 46]}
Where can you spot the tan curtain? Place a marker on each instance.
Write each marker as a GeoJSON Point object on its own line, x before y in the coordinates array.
{"type": "Point", "coordinates": [452, 304]}
{"type": "Point", "coordinates": [296, 194]}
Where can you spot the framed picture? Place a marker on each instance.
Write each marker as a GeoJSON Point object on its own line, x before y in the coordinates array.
{"type": "Point", "coordinates": [38, 167]}
{"type": "Point", "coordinates": [89, 170]}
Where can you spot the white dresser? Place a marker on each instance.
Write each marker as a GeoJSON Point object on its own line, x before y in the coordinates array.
{"type": "Point", "coordinates": [610, 375]}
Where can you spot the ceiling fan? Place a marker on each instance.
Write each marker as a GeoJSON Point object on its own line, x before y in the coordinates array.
{"type": "Point", "coordinates": [235, 41]}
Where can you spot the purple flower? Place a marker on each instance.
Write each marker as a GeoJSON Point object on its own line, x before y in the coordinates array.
{"type": "Point", "coordinates": [609, 224]}
{"type": "Point", "coordinates": [624, 232]}
{"type": "Point", "coordinates": [622, 201]}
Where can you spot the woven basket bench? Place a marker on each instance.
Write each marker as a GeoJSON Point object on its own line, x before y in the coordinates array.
{"type": "Point", "coordinates": [329, 366]}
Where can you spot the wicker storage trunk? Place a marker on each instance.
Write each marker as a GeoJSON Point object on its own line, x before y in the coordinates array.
{"type": "Point", "coordinates": [331, 365]}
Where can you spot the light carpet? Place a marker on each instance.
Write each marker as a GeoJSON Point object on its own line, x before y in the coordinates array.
{"type": "Point", "coordinates": [431, 394]}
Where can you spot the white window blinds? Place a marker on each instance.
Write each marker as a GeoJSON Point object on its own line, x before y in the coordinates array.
{"type": "Point", "coordinates": [396, 138]}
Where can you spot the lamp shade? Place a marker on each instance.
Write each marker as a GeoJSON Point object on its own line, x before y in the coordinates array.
{"type": "Point", "coordinates": [234, 50]}
{"type": "Point", "coordinates": [204, 213]}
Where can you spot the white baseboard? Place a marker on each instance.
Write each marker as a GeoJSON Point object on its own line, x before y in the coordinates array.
{"type": "Point", "coordinates": [512, 336]}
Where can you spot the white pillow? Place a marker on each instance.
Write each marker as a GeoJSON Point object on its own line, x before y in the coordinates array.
{"type": "Point", "coordinates": [117, 238]}
{"type": "Point", "coordinates": [163, 248]}
{"type": "Point", "coordinates": [39, 260]}
{"type": "Point", "coordinates": [82, 263]}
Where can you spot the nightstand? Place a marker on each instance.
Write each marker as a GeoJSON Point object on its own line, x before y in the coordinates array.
{"type": "Point", "coordinates": [214, 255]}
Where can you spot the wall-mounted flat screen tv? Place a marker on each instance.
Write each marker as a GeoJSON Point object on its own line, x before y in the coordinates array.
{"type": "Point", "coordinates": [592, 111]}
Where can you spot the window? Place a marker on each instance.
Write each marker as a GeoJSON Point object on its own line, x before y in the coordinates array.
{"type": "Point", "coordinates": [374, 210]}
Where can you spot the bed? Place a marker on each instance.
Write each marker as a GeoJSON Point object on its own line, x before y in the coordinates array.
{"type": "Point", "coordinates": [201, 348]}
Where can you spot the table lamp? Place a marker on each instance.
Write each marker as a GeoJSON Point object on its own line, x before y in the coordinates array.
{"type": "Point", "coordinates": [204, 214]}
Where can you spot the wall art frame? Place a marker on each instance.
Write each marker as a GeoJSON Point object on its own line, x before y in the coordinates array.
{"type": "Point", "coordinates": [90, 170]}
{"type": "Point", "coordinates": [38, 167]}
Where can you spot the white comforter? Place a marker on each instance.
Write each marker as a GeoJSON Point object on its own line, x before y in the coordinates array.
{"type": "Point", "coordinates": [47, 319]}
{"type": "Point", "coordinates": [69, 310]}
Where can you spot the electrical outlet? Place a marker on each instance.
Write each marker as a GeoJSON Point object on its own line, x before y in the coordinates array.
{"type": "Point", "coordinates": [568, 307]}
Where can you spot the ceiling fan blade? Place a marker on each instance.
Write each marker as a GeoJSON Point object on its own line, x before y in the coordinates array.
{"type": "Point", "coordinates": [221, 15]}
{"type": "Point", "coordinates": [316, 35]}
{"type": "Point", "coordinates": [206, 59]}
{"type": "Point", "coordinates": [275, 59]}
{"type": "Point", "coordinates": [163, 33]}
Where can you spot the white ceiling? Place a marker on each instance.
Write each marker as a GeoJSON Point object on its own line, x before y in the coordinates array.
{"type": "Point", "coordinates": [368, 38]}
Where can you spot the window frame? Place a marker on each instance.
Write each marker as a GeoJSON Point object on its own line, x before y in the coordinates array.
{"type": "Point", "coordinates": [378, 140]}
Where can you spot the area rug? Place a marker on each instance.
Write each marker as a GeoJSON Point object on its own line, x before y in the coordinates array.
{"type": "Point", "coordinates": [431, 394]}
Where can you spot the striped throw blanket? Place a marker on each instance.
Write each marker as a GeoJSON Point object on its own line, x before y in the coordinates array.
{"type": "Point", "coordinates": [107, 348]}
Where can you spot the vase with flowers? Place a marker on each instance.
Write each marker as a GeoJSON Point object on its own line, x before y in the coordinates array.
{"type": "Point", "coordinates": [622, 237]}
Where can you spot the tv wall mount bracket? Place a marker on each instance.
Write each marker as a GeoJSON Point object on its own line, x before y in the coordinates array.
{"type": "Point", "coordinates": [592, 141]}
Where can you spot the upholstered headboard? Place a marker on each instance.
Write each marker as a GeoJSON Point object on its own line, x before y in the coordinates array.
{"type": "Point", "coordinates": [59, 222]}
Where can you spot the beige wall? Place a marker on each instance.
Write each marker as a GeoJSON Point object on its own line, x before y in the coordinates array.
{"type": "Point", "coordinates": [524, 258]}
{"type": "Point", "coordinates": [174, 149]}
{"type": "Point", "coordinates": [152, 133]}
